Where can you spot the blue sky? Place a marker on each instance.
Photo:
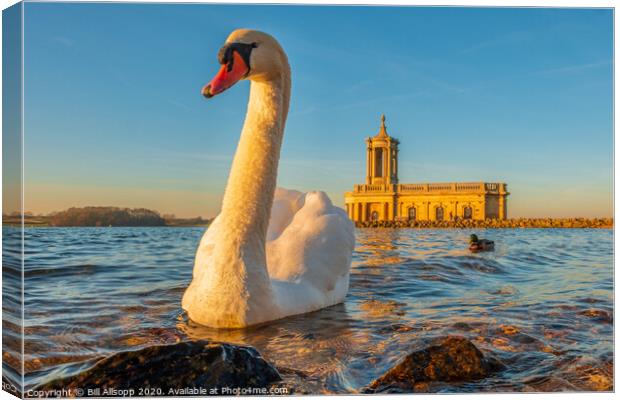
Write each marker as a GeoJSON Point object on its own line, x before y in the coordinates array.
{"type": "Point", "coordinates": [114, 114]}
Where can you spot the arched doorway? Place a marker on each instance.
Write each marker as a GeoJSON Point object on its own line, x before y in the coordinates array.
{"type": "Point", "coordinates": [467, 213]}
{"type": "Point", "coordinates": [439, 213]}
{"type": "Point", "coordinates": [411, 213]}
{"type": "Point", "coordinates": [374, 216]}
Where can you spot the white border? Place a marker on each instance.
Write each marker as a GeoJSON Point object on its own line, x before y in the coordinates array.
{"type": "Point", "coordinates": [476, 3]}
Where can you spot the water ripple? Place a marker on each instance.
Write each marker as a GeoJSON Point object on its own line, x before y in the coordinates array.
{"type": "Point", "coordinates": [542, 302]}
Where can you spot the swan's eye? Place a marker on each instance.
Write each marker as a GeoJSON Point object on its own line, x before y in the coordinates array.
{"type": "Point", "coordinates": [224, 56]}
{"type": "Point", "coordinates": [244, 50]}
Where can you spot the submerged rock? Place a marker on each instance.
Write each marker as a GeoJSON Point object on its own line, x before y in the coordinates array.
{"type": "Point", "coordinates": [173, 369]}
{"type": "Point", "coordinates": [598, 315]}
{"type": "Point", "coordinates": [449, 359]}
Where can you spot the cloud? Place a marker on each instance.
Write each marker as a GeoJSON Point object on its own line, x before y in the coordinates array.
{"type": "Point", "coordinates": [573, 68]}
{"type": "Point", "coordinates": [305, 111]}
{"type": "Point", "coordinates": [512, 38]}
{"type": "Point", "coordinates": [65, 41]}
{"type": "Point", "coordinates": [179, 104]}
{"type": "Point", "coordinates": [361, 85]}
{"type": "Point", "coordinates": [383, 99]}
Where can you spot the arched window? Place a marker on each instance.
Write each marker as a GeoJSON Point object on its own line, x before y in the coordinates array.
{"type": "Point", "coordinates": [411, 214]}
{"type": "Point", "coordinates": [467, 212]}
{"type": "Point", "coordinates": [379, 162]}
{"type": "Point", "coordinates": [439, 213]}
{"type": "Point", "coordinates": [374, 216]}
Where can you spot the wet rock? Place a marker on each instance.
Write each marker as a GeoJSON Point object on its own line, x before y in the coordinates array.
{"type": "Point", "coordinates": [503, 344]}
{"type": "Point", "coordinates": [509, 329]}
{"type": "Point", "coordinates": [198, 364]}
{"type": "Point", "coordinates": [506, 290]}
{"type": "Point", "coordinates": [598, 315]}
{"type": "Point", "coordinates": [592, 377]}
{"type": "Point", "coordinates": [378, 308]}
{"type": "Point", "coordinates": [448, 359]}
{"type": "Point", "coordinates": [549, 384]}
{"type": "Point", "coordinates": [523, 338]}
{"type": "Point", "coordinates": [463, 326]}
{"type": "Point", "coordinates": [396, 328]}
{"type": "Point", "coordinates": [494, 223]}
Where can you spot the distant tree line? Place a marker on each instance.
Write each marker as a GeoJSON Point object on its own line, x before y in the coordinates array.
{"type": "Point", "coordinates": [197, 221]}
{"type": "Point", "coordinates": [106, 216]}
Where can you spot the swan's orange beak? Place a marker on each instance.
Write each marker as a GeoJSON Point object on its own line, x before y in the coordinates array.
{"type": "Point", "coordinates": [228, 75]}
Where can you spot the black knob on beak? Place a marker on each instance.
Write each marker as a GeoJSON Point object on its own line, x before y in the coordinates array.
{"type": "Point", "coordinates": [206, 92]}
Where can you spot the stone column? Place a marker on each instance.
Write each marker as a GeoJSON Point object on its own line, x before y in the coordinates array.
{"type": "Point", "coordinates": [371, 165]}
{"type": "Point", "coordinates": [364, 215]}
{"type": "Point", "coordinates": [502, 206]}
{"type": "Point", "coordinates": [396, 163]}
{"type": "Point", "coordinates": [391, 210]}
{"type": "Point", "coordinates": [368, 165]}
{"type": "Point", "coordinates": [388, 164]}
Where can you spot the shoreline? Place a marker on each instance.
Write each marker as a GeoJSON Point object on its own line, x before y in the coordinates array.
{"type": "Point", "coordinates": [513, 223]}
{"type": "Point", "coordinates": [43, 222]}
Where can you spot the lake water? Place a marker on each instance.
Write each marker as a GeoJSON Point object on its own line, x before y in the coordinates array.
{"type": "Point", "coordinates": [542, 303]}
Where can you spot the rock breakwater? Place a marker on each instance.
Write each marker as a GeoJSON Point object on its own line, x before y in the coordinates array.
{"type": "Point", "coordinates": [495, 223]}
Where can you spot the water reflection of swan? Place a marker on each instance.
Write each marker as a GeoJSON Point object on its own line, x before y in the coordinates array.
{"type": "Point", "coordinates": [256, 262]}
{"type": "Point", "coordinates": [316, 346]}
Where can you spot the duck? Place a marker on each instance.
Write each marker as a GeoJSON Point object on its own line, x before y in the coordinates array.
{"type": "Point", "coordinates": [477, 245]}
{"type": "Point", "coordinates": [271, 252]}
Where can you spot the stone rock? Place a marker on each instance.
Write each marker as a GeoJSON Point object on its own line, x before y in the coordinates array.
{"type": "Point", "coordinates": [494, 223]}
{"type": "Point", "coordinates": [598, 315]}
{"type": "Point", "coordinates": [448, 359]}
{"type": "Point", "coordinates": [198, 364]}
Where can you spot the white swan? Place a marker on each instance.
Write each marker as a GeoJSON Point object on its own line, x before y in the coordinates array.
{"type": "Point", "coordinates": [271, 252]}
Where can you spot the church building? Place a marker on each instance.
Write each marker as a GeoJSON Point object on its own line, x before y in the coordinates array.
{"type": "Point", "coordinates": [383, 198]}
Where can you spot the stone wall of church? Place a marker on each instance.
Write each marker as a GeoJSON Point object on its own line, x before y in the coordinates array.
{"type": "Point", "coordinates": [441, 207]}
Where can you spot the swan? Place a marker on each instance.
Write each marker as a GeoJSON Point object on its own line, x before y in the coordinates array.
{"type": "Point", "coordinates": [270, 253]}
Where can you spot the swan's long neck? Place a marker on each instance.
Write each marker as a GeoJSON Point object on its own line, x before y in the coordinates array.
{"type": "Point", "coordinates": [239, 278]}
{"type": "Point", "coordinates": [251, 185]}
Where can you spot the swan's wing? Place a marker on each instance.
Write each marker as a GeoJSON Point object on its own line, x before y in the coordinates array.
{"type": "Point", "coordinates": [286, 203]}
{"type": "Point", "coordinates": [311, 240]}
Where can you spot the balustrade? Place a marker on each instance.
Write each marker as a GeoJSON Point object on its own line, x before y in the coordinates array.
{"type": "Point", "coordinates": [430, 187]}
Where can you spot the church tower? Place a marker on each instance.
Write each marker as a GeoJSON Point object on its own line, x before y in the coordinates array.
{"type": "Point", "coordinates": [381, 158]}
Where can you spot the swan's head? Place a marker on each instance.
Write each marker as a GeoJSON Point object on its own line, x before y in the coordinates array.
{"type": "Point", "coordinates": [247, 54]}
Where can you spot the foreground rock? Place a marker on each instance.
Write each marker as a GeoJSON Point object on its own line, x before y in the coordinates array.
{"type": "Point", "coordinates": [188, 368]}
{"type": "Point", "coordinates": [449, 359]}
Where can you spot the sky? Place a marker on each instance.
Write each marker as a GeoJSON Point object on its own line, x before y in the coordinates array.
{"type": "Point", "coordinates": [114, 115]}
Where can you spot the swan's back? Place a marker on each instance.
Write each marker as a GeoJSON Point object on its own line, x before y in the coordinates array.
{"type": "Point", "coordinates": [309, 245]}
{"type": "Point", "coordinates": [308, 239]}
